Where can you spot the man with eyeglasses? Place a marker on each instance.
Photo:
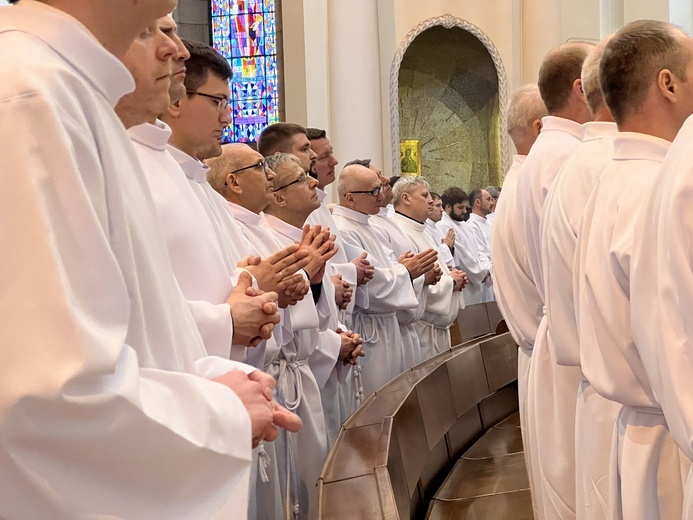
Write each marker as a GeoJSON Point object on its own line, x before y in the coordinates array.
{"type": "Point", "coordinates": [310, 355]}
{"type": "Point", "coordinates": [391, 291]}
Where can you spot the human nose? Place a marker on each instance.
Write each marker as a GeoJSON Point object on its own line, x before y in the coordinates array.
{"type": "Point", "coordinates": [225, 115]}
{"type": "Point", "coordinates": [312, 183]}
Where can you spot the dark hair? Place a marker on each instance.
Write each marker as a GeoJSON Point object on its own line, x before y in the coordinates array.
{"type": "Point", "coordinates": [474, 195]}
{"type": "Point", "coordinates": [393, 180]}
{"type": "Point", "coordinates": [633, 59]}
{"type": "Point", "coordinates": [453, 195]}
{"type": "Point", "coordinates": [315, 133]}
{"type": "Point", "coordinates": [360, 162]}
{"type": "Point", "coordinates": [274, 138]}
{"type": "Point", "coordinates": [434, 195]}
{"type": "Point", "coordinates": [559, 70]}
{"type": "Point", "coordinates": [203, 60]}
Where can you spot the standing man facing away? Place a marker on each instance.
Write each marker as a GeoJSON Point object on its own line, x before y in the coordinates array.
{"type": "Point", "coordinates": [646, 73]}
{"type": "Point", "coordinates": [117, 354]}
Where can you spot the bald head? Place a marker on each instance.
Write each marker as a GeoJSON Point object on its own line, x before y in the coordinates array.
{"type": "Point", "coordinates": [233, 156]}
{"type": "Point", "coordinates": [356, 186]}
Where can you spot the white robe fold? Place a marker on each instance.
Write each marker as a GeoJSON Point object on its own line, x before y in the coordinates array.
{"type": "Point", "coordinates": [661, 293]}
{"type": "Point", "coordinates": [482, 229]}
{"type": "Point", "coordinates": [390, 290]}
{"type": "Point", "coordinates": [444, 253]}
{"type": "Point", "coordinates": [469, 256]}
{"type": "Point", "coordinates": [585, 451]}
{"type": "Point", "coordinates": [645, 475]}
{"type": "Point", "coordinates": [442, 301]}
{"type": "Point", "coordinates": [102, 412]}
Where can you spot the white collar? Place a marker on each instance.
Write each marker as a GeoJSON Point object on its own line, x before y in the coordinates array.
{"type": "Point", "coordinates": [284, 228]}
{"type": "Point", "coordinates": [154, 136]}
{"type": "Point", "coordinates": [476, 217]}
{"type": "Point", "coordinates": [74, 43]}
{"type": "Point", "coordinates": [193, 168]}
{"type": "Point", "coordinates": [409, 222]}
{"type": "Point", "coordinates": [561, 124]}
{"type": "Point", "coordinates": [598, 130]}
{"type": "Point", "coordinates": [635, 146]}
{"type": "Point", "coordinates": [321, 194]}
{"type": "Point", "coordinates": [350, 214]}
{"type": "Point", "coordinates": [245, 215]}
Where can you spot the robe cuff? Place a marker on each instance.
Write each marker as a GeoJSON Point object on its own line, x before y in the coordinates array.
{"type": "Point", "coordinates": [211, 366]}
{"type": "Point", "coordinates": [215, 325]}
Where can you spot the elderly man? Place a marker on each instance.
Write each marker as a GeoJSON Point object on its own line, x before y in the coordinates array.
{"type": "Point", "coordinates": [517, 298]}
{"type": "Point", "coordinates": [560, 86]}
{"type": "Point", "coordinates": [391, 289]}
{"type": "Point", "coordinates": [468, 254]}
{"type": "Point", "coordinates": [412, 201]}
{"type": "Point", "coordinates": [112, 387]}
{"type": "Point", "coordinates": [589, 435]}
{"type": "Point", "coordinates": [312, 355]}
{"type": "Point", "coordinates": [482, 204]}
{"type": "Point", "coordinates": [646, 74]}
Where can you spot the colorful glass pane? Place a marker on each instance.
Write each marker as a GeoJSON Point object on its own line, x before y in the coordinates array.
{"type": "Point", "coordinates": [245, 33]}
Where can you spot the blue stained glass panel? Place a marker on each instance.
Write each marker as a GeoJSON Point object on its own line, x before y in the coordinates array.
{"type": "Point", "coordinates": [245, 33]}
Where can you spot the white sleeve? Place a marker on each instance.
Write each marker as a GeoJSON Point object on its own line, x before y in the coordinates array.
{"type": "Point", "coordinates": [84, 427]}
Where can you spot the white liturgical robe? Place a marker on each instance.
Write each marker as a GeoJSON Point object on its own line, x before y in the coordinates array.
{"type": "Point", "coordinates": [390, 290]}
{"type": "Point", "coordinates": [444, 253]}
{"type": "Point", "coordinates": [583, 478]}
{"type": "Point", "coordinates": [102, 410]}
{"type": "Point", "coordinates": [482, 229]}
{"type": "Point", "coordinates": [662, 290]}
{"type": "Point", "coordinates": [470, 258]}
{"type": "Point", "coordinates": [557, 140]}
{"type": "Point", "coordinates": [397, 242]}
{"type": "Point", "coordinates": [442, 301]}
{"type": "Point", "coordinates": [645, 475]}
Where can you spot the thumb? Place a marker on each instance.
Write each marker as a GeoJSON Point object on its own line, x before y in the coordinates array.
{"type": "Point", "coordinates": [244, 281]}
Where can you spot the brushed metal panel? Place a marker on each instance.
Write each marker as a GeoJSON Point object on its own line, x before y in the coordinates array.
{"type": "Point", "coordinates": [479, 477]}
{"type": "Point", "coordinates": [381, 406]}
{"type": "Point", "coordinates": [473, 321]}
{"type": "Point", "coordinates": [494, 314]}
{"type": "Point", "coordinates": [354, 453]}
{"type": "Point", "coordinates": [398, 480]}
{"type": "Point", "coordinates": [434, 473]}
{"type": "Point", "coordinates": [408, 427]}
{"type": "Point", "coordinates": [436, 404]}
{"type": "Point", "coordinates": [498, 406]}
{"type": "Point", "coordinates": [516, 505]}
{"type": "Point", "coordinates": [337, 500]}
{"type": "Point", "coordinates": [511, 422]}
{"type": "Point", "coordinates": [386, 494]}
{"type": "Point", "coordinates": [467, 377]}
{"type": "Point", "coordinates": [500, 360]}
{"type": "Point", "coordinates": [496, 442]}
{"type": "Point", "coordinates": [464, 432]}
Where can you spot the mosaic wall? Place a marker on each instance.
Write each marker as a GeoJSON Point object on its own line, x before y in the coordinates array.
{"type": "Point", "coordinates": [245, 33]}
{"type": "Point", "coordinates": [448, 101]}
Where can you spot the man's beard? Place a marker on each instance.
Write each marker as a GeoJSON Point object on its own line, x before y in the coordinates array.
{"type": "Point", "coordinates": [457, 217]}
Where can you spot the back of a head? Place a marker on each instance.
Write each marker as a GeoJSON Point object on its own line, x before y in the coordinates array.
{"type": "Point", "coordinates": [525, 107]}
{"type": "Point", "coordinates": [277, 137]}
{"type": "Point", "coordinates": [361, 162]}
{"type": "Point", "coordinates": [203, 61]}
{"type": "Point", "coordinates": [632, 61]}
{"type": "Point", "coordinates": [591, 84]}
{"type": "Point", "coordinates": [404, 185]}
{"type": "Point", "coordinates": [494, 191]}
{"type": "Point", "coordinates": [315, 133]}
{"type": "Point", "coordinates": [559, 70]}
{"type": "Point", "coordinates": [453, 195]}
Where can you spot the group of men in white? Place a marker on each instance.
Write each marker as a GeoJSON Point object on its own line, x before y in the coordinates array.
{"type": "Point", "coordinates": [593, 273]}
{"type": "Point", "coordinates": [172, 306]}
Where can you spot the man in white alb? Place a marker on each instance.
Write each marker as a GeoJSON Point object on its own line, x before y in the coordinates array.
{"type": "Point", "coordinates": [517, 300]}
{"type": "Point", "coordinates": [646, 75]}
{"type": "Point", "coordinates": [468, 254]}
{"type": "Point", "coordinates": [412, 200]}
{"type": "Point", "coordinates": [117, 353]}
{"type": "Point", "coordinates": [585, 444]}
{"type": "Point", "coordinates": [391, 288]}
{"type": "Point", "coordinates": [444, 241]}
{"type": "Point", "coordinates": [481, 203]}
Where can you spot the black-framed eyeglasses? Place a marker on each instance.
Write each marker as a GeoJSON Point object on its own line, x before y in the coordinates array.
{"type": "Point", "coordinates": [373, 193]}
{"type": "Point", "coordinates": [221, 101]}
{"type": "Point", "coordinates": [260, 164]}
{"type": "Point", "coordinates": [302, 178]}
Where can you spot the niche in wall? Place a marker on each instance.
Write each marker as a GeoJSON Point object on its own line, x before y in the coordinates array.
{"type": "Point", "coordinates": [448, 100]}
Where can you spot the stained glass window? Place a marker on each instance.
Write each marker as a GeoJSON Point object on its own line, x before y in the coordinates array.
{"type": "Point", "coordinates": [245, 33]}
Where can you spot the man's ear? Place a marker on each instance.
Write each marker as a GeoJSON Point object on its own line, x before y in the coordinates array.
{"type": "Point", "coordinates": [279, 199]}
{"type": "Point", "coordinates": [173, 110]}
{"type": "Point", "coordinates": [406, 198]}
{"type": "Point", "coordinates": [232, 184]}
{"type": "Point", "coordinates": [667, 84]}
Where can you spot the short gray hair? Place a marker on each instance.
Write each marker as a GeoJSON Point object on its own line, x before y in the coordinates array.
{"type": "Point", "coordinates": [494, 191]}
{"type": "Point", "coordinates": [591, 85]}
{"type": "Point", "coordinates": [405, 184]}
{"type": "Point", "coordinates": [278, 159]}
{"type": "Point", "coordinates": [525, 107]}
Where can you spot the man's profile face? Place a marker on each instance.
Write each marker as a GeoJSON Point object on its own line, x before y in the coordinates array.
{"type": "Point", "coordinates": [256, 182]}
{"type": "Point", "coordinates": [366, 203]}
{"type": "Point", "coordinates": [177, 90]}
{"type": "Point", "coordinates": [419, 202]}
{"type": "Point", "coordinates": [300, 147]}
{"type": "Point", "coordinates": [485, 203]}
{"type": "Point", "coordinates": [325, 161]}
{"type": "Point", "coordinates": [149, 60]}
{"type": "Point", "coordinates": [436, 210]}
{"type": "Point", "coordinates": [299, 195]}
